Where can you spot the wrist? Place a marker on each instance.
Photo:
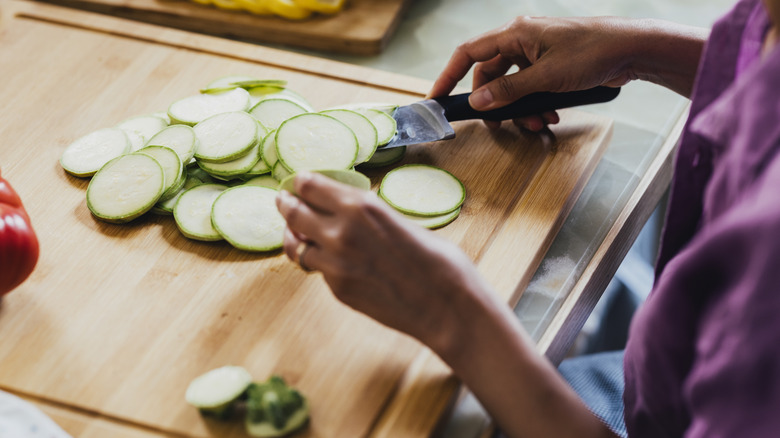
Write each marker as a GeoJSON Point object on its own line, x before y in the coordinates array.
{"type": "Point", "coordinates": [666, 54]}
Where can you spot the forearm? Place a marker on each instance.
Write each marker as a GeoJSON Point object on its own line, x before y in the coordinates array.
{"type": "Point", "coordinates": [667, 54]}
{"type": "Point", "coordinates": [520, 389]}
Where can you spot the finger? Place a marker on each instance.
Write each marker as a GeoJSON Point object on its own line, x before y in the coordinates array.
{"type": "Point", "coordinates": [492, 124]}
{"type": "Point", "coordinates": [291, 243]}
{"type": "Point", "coordinates": [301, 219]}
{"type": "Point", "coordinates": [482, 48]}
{"type": "Point", "coordinates": [322, 193]}
{"type": "Point", "coordinates": [507, 89]}
{"type": "Point", "coordinates": [551, 117]}
{"type": "Point", "coordinates": [530, 123]}
{"type": "Point", "coordinates": [308, 257]}
{"type": "Point", "coordinates": [485, 72]}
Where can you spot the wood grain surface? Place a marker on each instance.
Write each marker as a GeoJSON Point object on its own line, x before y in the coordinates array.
{"type": "Point", "coordinates": [116, 320]}
{"type": "Point", "coordinates": [363, 27]}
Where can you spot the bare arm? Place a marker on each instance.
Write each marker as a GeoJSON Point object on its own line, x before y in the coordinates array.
{"type": "Point", "coordinates": [410, 279]}
{"type": "Point", "coordinates": [565, 54]}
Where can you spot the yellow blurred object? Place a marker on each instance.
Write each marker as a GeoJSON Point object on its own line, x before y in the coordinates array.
{"type": "Point", "coordinates": [288, 9]}
{"type": "Point", "coordinates": [257, 7]}
{"type": "Point", "coordinates": [227, 4]}
{"type": "Point", "coordinates": [322, 6]}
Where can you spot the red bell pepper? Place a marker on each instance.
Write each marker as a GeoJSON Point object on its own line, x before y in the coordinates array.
{"type": "Point", "coordinates": [18, 243]}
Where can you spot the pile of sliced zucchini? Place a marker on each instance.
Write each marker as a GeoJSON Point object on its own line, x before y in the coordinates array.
{"type": "Point", "coordinates": [270, 408]}
{"type": "Point", "coordinates": [215, 161]}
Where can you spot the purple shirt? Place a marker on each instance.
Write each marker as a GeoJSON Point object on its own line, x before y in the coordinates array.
{"type": "Point", "coordinates": [703, 356]}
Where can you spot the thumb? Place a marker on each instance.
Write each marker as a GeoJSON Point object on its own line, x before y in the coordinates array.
{"type": "Point", "coordinates": [507, 89]}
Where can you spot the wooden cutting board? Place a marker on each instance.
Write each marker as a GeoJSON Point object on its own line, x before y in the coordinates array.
{"type": "Point", "coordinates": [363, 27]}
{"type": "Point", "coordinates": [116, 320]}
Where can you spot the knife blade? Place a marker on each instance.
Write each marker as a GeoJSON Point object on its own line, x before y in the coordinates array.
{"type": "Point", "coordinates": [429, 120]}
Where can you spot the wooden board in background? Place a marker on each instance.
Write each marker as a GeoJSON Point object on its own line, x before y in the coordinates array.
{"type": "Point", "coordinates": [364, 27]}
{"type": "Point", "coordinates": [117, 319]}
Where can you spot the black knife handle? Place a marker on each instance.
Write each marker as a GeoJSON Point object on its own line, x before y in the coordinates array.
{"type": "Point", "coordinates": [457, 107]}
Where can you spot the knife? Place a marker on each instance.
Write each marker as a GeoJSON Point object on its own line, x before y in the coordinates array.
{"type": "Point", "coordinates": [429, 120]}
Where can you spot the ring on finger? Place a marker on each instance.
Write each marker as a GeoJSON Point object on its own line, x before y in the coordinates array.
{"type": "Point", "coordinates": [300, 252]}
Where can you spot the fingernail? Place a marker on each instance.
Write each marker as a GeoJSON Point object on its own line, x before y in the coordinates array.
{"type": "Point", "coordinates": [481, 98]}
{"type": "Point", "coordinates": [284, 198]}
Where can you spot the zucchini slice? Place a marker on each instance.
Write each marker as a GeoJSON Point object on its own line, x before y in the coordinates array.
{"type": "Point", "coordinates": [271, 112]}
{"type": "Point", "coordinates": [364, 130]}
{"type": "Point", "coordinates": [214, 392]}
{"type": "Point", "coordinates": [315, 141]}
{"type": "Point", "coordinates": [385, 157]}
{"type": "Point", "coordinates": [432, 222]}
{"type": "Point", "coordinates": [180, 138]}
{"type": "Point", "coordinates": [146, 126]}
{"type": "Point", "coordinates": [226, 137]}
{"type": "Point", "coordinates": [172, 169]}
{"type": "Point", "coordinates": [268, 150]}
{"type": "Point", "coordinates": [125, 188]}
{"type": "Point", "coordinates": [247, 217]}
{"type": "Point", "coordinates": [192, 212]}
{"type": "Point", "coordinates": [194, 109]}
{"type": "Point", "coordinates": [422, 190]}
{"type": "Point", "coordinates": [86, 155]}
{"type": "Point", "coordinates": [236, 167]}
{"type": "Point", "coordinates": [349, 177]}
{"type": "Point", "coordinates": [385, 124]}
{"type": "Point", "coordinates": [263, 181]}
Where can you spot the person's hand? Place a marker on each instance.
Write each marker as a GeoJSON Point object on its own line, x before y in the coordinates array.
{"type": "Point", "coordinates": [568, 54]}
{"type": "Point", "coordinates": [396, 272]}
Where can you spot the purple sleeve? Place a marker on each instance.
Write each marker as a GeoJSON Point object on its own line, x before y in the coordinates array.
{"type": "Point", "coordinates": [733, 388]}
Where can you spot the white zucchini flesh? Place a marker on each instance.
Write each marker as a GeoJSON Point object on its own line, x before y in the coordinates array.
{"type": "Point", "coordinates": [268, 150]}
{"type": "Point", "coordinates": [349, 177]}
{"type": "Point", "coordinates": [125, 188]}
{"type": "Point", "coordinates": [173, 170]}
{"type": "Point", "coordinates": [315, 141]}
{"type": "Point", "coordinates": [256, 94]}
{"type": "Point", "coordinates": [180, 138]}
{"type": "Point", "coordinates": [235, 167]}
{"type": "Point", "coordinates": [272, 112]}
{"type": "Point", "coordinates": [225, 83]}
{"type": "Point", "coordinates": [146, 126]}
{"type": "Point", "coordinates": [194, 109]}
{"type": "Point", "coordinates": [247, 217]}
{"type": "Point", "coordinates": [260, 168]}
{"type": "Point", "coordinates": [385, 107]}
{"type": "Point", "coordinates": [137, 141]}
{"type": "Point", "coordinates": [385, 124]}
{"type": "Point", "coordinates": [422, 190]}
{"type": "Point", "coordinates": [279, 172]}
{"type": "Point", "coordinates": [218, 387]}
{"type": "Point", "coordinates": [225, 137]}
{"type": "Point", "coordinates": [286, 93]}
{"type": "Point", "coordinates": [86, 155]}
{"type": "Point", "coordinates": [364, 130]}
{"type": "Point", "coordinates": [166, 206]}
{"type": "Point", "coordinates": [267, 430]}
{"type": "Point", "coordinates": [192, 212]}
{"type": "Point", "coordinates": [163, 115]}
{"type": "Point", "coordinates": [432, 222]}
{"type": "Point", "coordinates": [263, 181]}
{"type": "Point", "coordinates": [385, 157]}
